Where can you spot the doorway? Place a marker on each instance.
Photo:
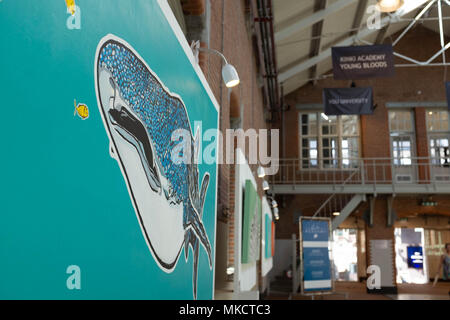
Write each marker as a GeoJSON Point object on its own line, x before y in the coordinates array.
{"type": "Point", "coordinates": [403, 146]}
{"type": "Point", "coordinates": [345, 254]}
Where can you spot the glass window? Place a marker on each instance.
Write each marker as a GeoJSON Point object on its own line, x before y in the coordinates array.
{"type": "Point", "coordinates": [401, 151]}
{"type": "Point", "coordinates": [437, 121]}
{"type": "Point", "coordinates": [438, 137]}
{"type": "Point", "coordinates": [349, 125]}
{"type": "Point", "coordinates": [329, 141]}
{"type": "Point", "coordinates": [401, 121]}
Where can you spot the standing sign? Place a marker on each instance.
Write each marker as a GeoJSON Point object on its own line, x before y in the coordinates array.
{"type": "Point", "coordinates": [314, 253]}
{"type": "Point", "coordinates": [350, 101]}
{"type": "Point", "coordinates": [93, 202]}
{"type": "Point", "coordinates": [415, 257]}
{"type": "Point", "coordinates": [362, 62]}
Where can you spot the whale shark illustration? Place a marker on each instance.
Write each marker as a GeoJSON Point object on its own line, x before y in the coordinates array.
{"type": "Point", "coordinates": [140, 114]}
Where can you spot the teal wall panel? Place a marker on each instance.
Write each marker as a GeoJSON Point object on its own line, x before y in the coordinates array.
{"type": "Point", "coordinates": [64, 199]}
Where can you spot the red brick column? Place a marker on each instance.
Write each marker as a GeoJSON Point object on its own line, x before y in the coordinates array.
{"type": "Point", "coordinates": [422, 143]}
{"type": "Point", "coordinates": [380, 231]}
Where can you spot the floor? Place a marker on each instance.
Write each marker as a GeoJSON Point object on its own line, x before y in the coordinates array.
{"type": "Point", "coordinates": [357, 291]}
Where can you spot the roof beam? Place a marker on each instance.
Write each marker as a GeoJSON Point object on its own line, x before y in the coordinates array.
{"type": "Point", "coordinates": [283, 76]}
{"type": "Point", "coordinates": [382, 34]}
{"type": "Point", "coordinates": [316, 35]}
{"type": "Point", "coordinates": [360, 11]}
{"type": "Point", "coordinates": [312, 19]}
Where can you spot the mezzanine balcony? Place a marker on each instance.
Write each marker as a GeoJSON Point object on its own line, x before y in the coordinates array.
{"type": "Point", "coordinates": [417, 175]}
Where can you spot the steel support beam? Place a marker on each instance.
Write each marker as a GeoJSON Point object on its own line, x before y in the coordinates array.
{"type": "Point", "coordinates": [364, 33]}
{"type": "Point", "coordinates": [312, 19]}
{"type": "Point", "coordinates": [285, 75]}
{"type": "Point", "coordinates": [390, 211]}
{"type": "Point", "coordinates": [316, 37]}
{"type": "Point", "coordinates": [360, 11]}
{"type": "Point", "coordinates": [404, 188]}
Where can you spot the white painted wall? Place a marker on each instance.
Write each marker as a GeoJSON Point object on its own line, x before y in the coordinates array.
{"type": "Point", "coordinates": [266, 264]}
{"type": "Point", "coordinates": [282, 258]}
{"type": "Point", "coordinates": [245, 275]}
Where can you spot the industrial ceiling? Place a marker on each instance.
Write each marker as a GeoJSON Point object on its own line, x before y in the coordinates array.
{"type": "Point", "coordinates": [305, 31]}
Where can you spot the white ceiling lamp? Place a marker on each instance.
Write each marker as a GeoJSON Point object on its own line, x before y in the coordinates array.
{"type": "Point", "coordinates": [265, 185]}
{"type": "Point", "coordinates": [229, 73]}
{"type": "Point", "coordinates": [389, 5]}
{"type": "Point", "coordinates": [261, 173]}
{"type": "Point", "coordinates": [274, 204]}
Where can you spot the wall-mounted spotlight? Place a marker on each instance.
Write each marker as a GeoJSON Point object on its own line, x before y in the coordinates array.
{"type": "Point", "coordinates": [265, 185]}
{"type": "Point", "coordinates": [274, 204]}
{"type": "Point", "coordinates": [276, 214]}
{"type": "Point", "coordinates": [229, 73]}
{"type": "Point", "coordinates": [261, 172]}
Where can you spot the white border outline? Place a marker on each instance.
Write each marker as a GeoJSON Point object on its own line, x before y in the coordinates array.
{"type": "Point", "coordinates": [167, 11]}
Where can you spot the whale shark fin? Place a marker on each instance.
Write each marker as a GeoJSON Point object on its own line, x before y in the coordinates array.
{"type": "Point", "coordinates": [187, 240]}
{"type": "Point", "coordinates": [199, 230]}
{"type": "Point", "coordinates": [195, 249]}
{"type": "Point", "coordinates": [204, 187]}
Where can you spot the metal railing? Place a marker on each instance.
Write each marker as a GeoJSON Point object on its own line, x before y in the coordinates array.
{"type": "Point", "coordinates": [419, 170]}
{"type": "Point", "coordinates": [335, 202]}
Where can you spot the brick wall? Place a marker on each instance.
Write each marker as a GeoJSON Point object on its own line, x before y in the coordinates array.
{"type": "Point", "coordinates": [409, 84]}
{"type": "Point", "coordinates": [229, 34]}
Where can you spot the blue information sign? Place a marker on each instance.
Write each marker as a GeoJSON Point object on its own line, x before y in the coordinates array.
{"type": "Point", "coordinates": [315, 259]}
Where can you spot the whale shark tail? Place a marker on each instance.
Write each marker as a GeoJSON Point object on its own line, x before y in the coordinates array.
{"type": "Point", "coordinates": [196, 234]}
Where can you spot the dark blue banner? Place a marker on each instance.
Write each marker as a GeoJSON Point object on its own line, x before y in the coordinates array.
{"type": "Point", "coordinates": [363, 62]}
{"type": "Point", "coordinates": [351, 101]}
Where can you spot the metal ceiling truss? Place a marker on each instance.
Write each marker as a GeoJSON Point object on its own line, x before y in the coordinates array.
{"type": "Point", "coordinates": [310, 20]}
{"type": "Point", "coordinates": [364, 32]}
{"type": "Point", "coordinates": [316, 33]}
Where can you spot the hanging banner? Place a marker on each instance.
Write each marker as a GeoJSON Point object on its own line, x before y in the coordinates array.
{"type": "Point", "coordinates": [447, 91]}
{"type": "Point", "coordinates": [363, 62]}
{"type": "Point", "coordinates": [348, 101]}
{"type": "Point", "coordinates": [314, 253]}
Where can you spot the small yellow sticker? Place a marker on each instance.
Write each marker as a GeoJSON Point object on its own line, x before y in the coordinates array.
{"type": "Point", "coordinates": [81, 109]}
{"type": "Point", "coordinates": [71, 6]}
